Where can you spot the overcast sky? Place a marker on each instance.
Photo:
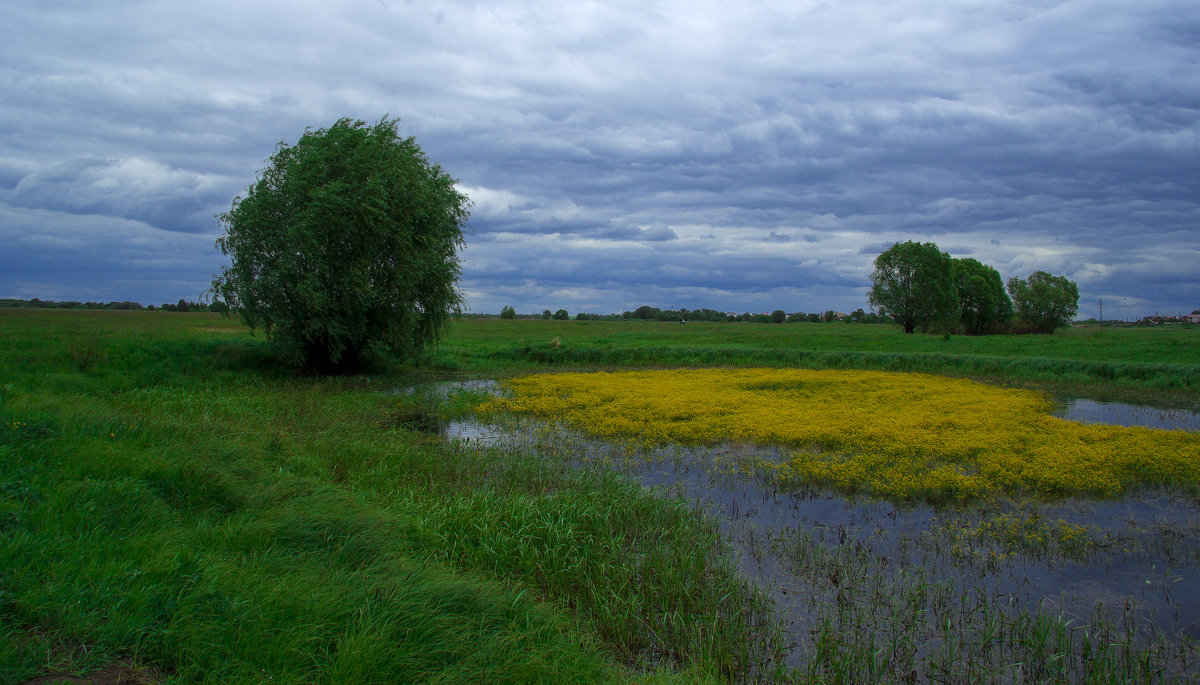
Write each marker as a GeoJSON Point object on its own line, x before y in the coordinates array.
{"type": "Point", "coordinates": [741, 156]}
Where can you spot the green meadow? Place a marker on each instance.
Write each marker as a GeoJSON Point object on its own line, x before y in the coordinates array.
{"type": "Point", "coordinates": [1161, 365]}
{"type": "Point", "coordinates": [174, 508]}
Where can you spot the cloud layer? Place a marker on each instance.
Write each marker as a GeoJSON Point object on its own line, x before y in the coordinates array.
{"type": "Point", "coordinates": [665, 153]}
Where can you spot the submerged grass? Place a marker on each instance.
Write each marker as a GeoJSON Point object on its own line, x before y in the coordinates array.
{"type": "Point", "coordinates": [881, 619]}
{"type": "Point", "coordinates": [877, 592]}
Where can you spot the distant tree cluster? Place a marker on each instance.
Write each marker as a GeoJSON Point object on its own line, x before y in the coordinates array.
{"type": "Point", "coordinates": [925, 289]}
{"type": "Point", "coordinates": [508, 313]}
{"type": "Point", "coordinates": [181, 306]}
{"type": "Point", "coordinates": [648, 313]}
{"type": "Point", "coordinates": [185, 306]}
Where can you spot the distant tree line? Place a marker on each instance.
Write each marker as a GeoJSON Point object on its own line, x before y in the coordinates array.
{"type": "Point", "coordinates": [181, 306]}
{"type": "Point", "coordinates": [921, 288]}
{"type": "Point", "coordinates": [648, 313]}
{"type": "Point", "coordinates": [977, 316]}
{"type": "Point", "coordinates": [924, 289]}
{"type": "Point", "coordinates": [184, 306]}
{"type": "Point", "coordinates": [776, 316]}
{"type": "Point", "coordinates": [36, 303]}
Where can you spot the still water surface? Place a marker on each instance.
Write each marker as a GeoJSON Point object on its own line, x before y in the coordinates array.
{"type": "Point", "coordinates": [1121, 414]}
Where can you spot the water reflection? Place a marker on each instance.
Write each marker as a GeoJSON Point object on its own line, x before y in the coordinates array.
{"type": "Point", "coordinates": [1121, 414]}
{"type": "Point", "coordinates": [474, 432]}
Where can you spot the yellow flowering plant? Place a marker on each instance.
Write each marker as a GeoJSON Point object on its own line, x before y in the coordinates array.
{"type": "Point", "coordinates": [895, 435]}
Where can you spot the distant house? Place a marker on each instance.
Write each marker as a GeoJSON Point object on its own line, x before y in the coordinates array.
{"type": "Point", "coordinates": [1192, 318]}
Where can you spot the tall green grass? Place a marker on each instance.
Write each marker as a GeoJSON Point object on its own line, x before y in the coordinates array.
{"type": "Point", "coordinates": [179, 504]}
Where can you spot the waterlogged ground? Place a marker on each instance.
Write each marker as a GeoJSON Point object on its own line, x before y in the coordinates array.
{"type": "Point", "coordinates": [1000, 589]}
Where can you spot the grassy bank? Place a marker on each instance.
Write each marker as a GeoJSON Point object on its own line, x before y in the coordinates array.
{"type": "Point", "coordinates": [1142, 364]}
{"type": "Point", "coordinates": [171, 505]}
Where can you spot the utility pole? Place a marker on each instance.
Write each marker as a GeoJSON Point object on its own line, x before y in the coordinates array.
{"type": "Point", "coordinates": [1102, 310]}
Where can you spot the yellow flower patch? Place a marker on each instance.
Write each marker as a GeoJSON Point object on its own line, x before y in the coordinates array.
{"type": "Point", "coordinates": [891, 434]}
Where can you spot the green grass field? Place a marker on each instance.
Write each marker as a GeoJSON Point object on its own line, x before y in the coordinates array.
{"type": "Point", "coordinates": [1174, 345]}
{"type": "Point", "coordinates": [1145, 364]}
{"type": "Point", "coordinates": [175, 507]}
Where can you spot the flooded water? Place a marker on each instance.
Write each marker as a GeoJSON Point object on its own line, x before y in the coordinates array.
{"type": "Point", "coordinates": [1138, 564]}
{"type": "Point", "coordinates": [1120, 414]}
{"type": "Point", "coordinates": [1151, 543]}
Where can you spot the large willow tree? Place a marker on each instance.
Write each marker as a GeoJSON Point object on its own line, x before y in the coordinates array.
{"type": "Point", "coordinates": [346, 245]}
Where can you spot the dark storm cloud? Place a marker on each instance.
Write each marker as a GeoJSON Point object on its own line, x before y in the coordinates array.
{"type": "Point", "coordinates": [678, 154]}
{"type": "Point", "coordinates": [107, 259]}
{"type": "Point", "coordinates": [137, 189]}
